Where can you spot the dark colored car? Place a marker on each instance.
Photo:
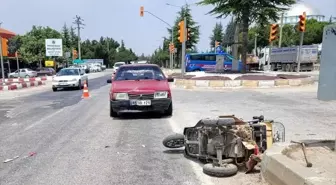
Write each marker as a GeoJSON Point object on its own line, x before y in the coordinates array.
{"type": "Point", "coordinates": [140, 88]}
{"type": "Point", "coordinates": [45, 71]}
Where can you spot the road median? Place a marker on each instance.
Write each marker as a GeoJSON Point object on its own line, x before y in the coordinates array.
{"type": "Point", "coordinates": [244, 81]}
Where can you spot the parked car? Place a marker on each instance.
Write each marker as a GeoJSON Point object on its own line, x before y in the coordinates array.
{"type": "Point", "coordinates": [23, 73]}
{"type": "Point", "coordinates": [45, 71]}
{"type": "Point", "coordinates": [140, 88]}
{"type": "Point", "coordinates": [70, 78]}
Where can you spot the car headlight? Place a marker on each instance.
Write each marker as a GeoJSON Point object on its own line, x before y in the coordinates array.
{"type": "Point", "coordinates": [161, 94]}
{"type": "Point", "coordinates": [73, 80]}
{"type": "Point", "coordinates": [120, 96]}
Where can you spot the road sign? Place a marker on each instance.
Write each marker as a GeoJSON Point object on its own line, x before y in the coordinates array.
{"type": "Point", "coordinates": [49, 63]}
{"type": "Point", "coordinates": [54, 47]}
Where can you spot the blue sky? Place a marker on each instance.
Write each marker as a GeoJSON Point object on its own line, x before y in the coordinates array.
{"type": "Point", "coordinates": [117, 19]}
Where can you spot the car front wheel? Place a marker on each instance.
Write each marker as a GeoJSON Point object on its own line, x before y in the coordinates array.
{"type": "Point", "coordinates": [112, 113]}
{"type": "Point", "coordinates": [169, 111]}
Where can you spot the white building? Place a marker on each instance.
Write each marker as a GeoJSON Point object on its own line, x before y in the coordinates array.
{"type": "Point", "coordinates": [291, 16]}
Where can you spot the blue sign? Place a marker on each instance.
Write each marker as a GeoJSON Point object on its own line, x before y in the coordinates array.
{"type": "Point", "coordinates": [219, 49]}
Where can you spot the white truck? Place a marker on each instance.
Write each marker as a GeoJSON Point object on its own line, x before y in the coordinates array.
{"type": "Point", "coordinates": [286, 58]}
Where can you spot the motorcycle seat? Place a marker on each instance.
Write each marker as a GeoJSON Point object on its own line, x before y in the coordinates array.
{"type": "Point", "coordinates": [219, 121]}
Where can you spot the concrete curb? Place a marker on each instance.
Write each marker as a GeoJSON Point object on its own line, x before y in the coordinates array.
{"type": "Point", "coordinates": [21, 85]}
{"type": "Point", "coordinates": [25, 79]}
{"type": "Point", "coordinates": [217, 84]}
{"type": "Point", "coordinates": [278, 169]}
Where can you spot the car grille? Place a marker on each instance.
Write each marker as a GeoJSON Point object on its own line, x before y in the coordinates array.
{"type": "Point", "coordinates": [141, 96]}
{"type": "Point", "coordinates": [63, 80]}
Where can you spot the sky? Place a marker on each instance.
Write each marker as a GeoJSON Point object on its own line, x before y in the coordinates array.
{"type": "Point", "coordinates": [118, 19]}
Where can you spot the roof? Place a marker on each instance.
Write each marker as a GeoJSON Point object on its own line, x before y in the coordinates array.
{"type": "Point", "coordinates": [136, 65]}
{"type": "Point", "coordinates": [6, 33]}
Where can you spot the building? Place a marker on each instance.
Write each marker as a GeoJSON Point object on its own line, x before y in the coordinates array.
{"type": "Point", "coordinates": [291, 16]}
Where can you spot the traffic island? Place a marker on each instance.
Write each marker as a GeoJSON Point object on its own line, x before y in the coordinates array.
{"type": "Point", "coordinates": [240, 81]}
{"type": "Point", "coordinates": [20, 80]}
{"type": "Point", "coordinates": [284, 163]}
{"type": "Point", "coordinates": [8, 86]}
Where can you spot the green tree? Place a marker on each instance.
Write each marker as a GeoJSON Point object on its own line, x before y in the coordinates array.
{"type": "Point", "coordinates": [229, 33]}
{"type": "Point", "coordinates": [14, 44]}
{"type": "Point", "coordinates": [194, 29]}
{"type": "Point", "coordinates": [247, 12]}
{"type": "Point", "coordinates": [217, 35]}
{"type": "Point", "coordinates": [33, 43]}
{"type": "Point", "coordinates": [73, 38]}
{"type": "Point", "coordinates": [66, 38]}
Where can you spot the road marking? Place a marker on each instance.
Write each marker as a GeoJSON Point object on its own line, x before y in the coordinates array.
{"type": "Point", "coordinates": [204, 179]}
{"type": "Point", "coordinates": [43, 119]}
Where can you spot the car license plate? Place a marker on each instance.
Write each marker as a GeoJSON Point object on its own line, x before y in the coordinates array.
{"type": "Point", "coordinates": [141, 102]}
{"type": "Point", "coordinates": [63, 83]}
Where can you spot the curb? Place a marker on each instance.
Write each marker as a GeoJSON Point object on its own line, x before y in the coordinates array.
{"type": "Point", "coordinates": [21, 85]}
{"type": "Point", "coordinates": [25, 79]}
{"type": "Point", "coordinates": [215, 84]}
{"type": "Point", "coordinates": [277, 168]}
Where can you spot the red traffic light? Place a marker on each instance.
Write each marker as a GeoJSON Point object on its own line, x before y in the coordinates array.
{"type": "Point", "coordinates": [302, 22]}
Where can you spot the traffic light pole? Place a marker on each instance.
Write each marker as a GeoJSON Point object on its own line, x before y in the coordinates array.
{"type": "Point", "coordinates": [184, 47]}
{"type": "Point", "coordinates": [300, 49]}
{"type": "Point", "coordinates": [269, 57]}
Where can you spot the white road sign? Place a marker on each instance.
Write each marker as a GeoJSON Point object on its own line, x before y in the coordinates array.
{"type": "Point", "coordinates": [54, 47]}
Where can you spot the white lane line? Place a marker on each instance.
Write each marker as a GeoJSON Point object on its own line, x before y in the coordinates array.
{"type": "Point", "coordinates": [204, 179]}
{"type": "Point", "coordinates": [43, 119]}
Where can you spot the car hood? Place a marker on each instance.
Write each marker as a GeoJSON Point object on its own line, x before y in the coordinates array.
{"type": "Point", "coordinates": [65, 77]}
{"type": "Point", "coordinates": [138, 87]}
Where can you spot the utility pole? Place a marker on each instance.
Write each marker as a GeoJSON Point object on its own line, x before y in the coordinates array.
{"type": "Point", "coordinates": [184, 47]}
{"type": "Point", "coordinates": [2, 64]}
{"type": "Point", "coordinates": [79, 23]}
{"type": "Point", "coordinates": [281, 26]}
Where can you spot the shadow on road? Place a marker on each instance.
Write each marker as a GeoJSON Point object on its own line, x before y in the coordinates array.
{"type": "Point", "coordinates": [132, 116]}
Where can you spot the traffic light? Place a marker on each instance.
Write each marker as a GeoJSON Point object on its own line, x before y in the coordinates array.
{"type": "Point", "coordinates": [74, 54]}
{"type": "Point", "coordinates": [302, 22]}
{"type": "Point", "coordinates": [4, 47]}
{"type": "Point", "coordinates": [216, 44]}
{"type": "Point", "coordinates": [273, 32]}
{"type": "Point", "coordinates": [188, 33]}
{"type": "Point", "coordinates": [171, 47]}
{"type": "Point", "coordinates": [181, 31]}
{"type": "Point", "coordinates": [142, 10]}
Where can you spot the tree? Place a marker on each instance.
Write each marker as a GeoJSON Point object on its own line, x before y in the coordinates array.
{"type": "Point", "coordinates": [247, 12]}
{"type": "Point", "coordinates": [66, 38]}
{"type": "Point", "coordinates": [228, 39]}
{"type": "Point", "coordinates": [217, 35]}
{"type": "Point", "coordinates": [73, 38]}
{"type": "Point", "coordinates": [14, 44]}
{"type": "Point", "coordinates": [33, 43]}
{"type": "Point", "coordinates": [191, 24]}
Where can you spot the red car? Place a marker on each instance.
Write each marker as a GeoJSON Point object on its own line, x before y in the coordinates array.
{"type": "Point", "coordinates": [140, 88]}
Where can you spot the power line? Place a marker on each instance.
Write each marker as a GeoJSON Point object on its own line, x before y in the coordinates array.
{"type": "Point", "coordinates": [79, 23]}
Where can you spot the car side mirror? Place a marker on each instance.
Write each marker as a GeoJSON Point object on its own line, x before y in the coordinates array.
{"type": "Point", "coordinates": [170, 79]}
{"type": "Point", "coordinates": [108, 81]}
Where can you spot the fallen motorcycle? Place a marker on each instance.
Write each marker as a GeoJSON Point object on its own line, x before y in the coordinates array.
{"type": "Point", "coordinates": [227, 142]}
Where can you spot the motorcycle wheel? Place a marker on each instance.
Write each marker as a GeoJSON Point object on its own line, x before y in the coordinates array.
{"type": "Point", "coordinates": [220, 171]}
{"type": "Point", "coordinates": [174, 141]}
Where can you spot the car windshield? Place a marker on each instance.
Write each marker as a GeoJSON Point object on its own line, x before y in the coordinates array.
{"type": "Point", "coordinates": [139, 73]}
{"type": "Point", "coordinates": [68, 72]}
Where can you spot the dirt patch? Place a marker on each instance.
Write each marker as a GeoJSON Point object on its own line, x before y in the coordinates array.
{"type": "Point", "coordinates": [211, 78]}
{"type": "Point", "coordinates": [256, 77]}
{"type": "Point", "coordinates": [321, 155]}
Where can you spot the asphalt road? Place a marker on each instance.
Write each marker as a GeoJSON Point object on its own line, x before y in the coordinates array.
{"type": "Point", "coordinates": [76, 142]}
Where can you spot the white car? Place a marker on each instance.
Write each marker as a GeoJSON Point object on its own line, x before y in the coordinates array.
{"type": "Point", "coordinates": [117, 65]}
{"type": "Point", "coordinates": [70, 78]}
